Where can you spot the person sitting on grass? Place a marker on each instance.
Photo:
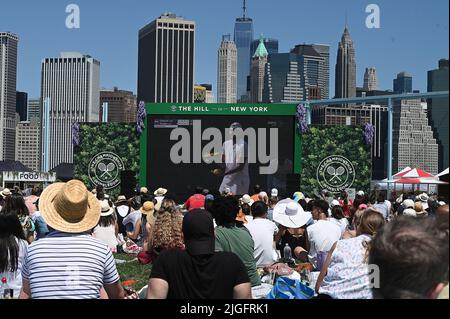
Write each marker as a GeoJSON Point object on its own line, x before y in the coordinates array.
{"type": "Point", "coordinates": [345, 273]}
{"type": "Point", "coordinates": [198, 272]}
{"type": "Point", "coordinates": [230, 238]}
{"type": "Point", "coordinates": [71, 212]}
{"type": "Point", "coordinates": [166, 234]}
{"type": "Point", "coordinates": [107, 228]}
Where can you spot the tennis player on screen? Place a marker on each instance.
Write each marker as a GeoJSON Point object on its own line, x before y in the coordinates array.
{"type": "Point", "coordinates": [235, 157]}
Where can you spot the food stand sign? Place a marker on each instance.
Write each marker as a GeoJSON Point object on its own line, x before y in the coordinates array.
{"type": "Point", "coordinates": [30, 177]}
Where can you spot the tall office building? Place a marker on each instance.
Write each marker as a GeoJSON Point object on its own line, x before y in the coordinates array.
{"type": "Point", "coordinates": [403, 83]}
{"type": "Point", "coordinates": [315, 74]}
{"type": "Point", "coordinates": [8, 78]}
{"type": "Point", "coordinates": [70, 90]}
{"type": "Point", "coordinates": [28, 144]}
{"type": "Point", "coordinates": [438, 110]}
{"type": "Point", "coordinates": [414, 143]}
{"type": "Point", "coordinates": [346, 68]}
{"type": "Point", "coordinates": [258, 70]}
{"type": "Point", "coordinates": [167, 60]}
{"type": "Point", "coordinates": [270, 44]}
{"type": "Point", "coordinates": [34, 109]}
{"type": "Point", "coordinates": [299, 75]}
{"type": "Point", "coordinates": [22, 105]}
{"type": "Point", "coordinates": [227, 71]}
{"type": "Point", "coordinates": [370, 80]}
{"type": "Point", "coordinates": [122, 105]}
{"type": "Point", "coordinates": [243, 37]}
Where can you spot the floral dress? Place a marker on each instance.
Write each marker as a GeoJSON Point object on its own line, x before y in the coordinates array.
{"type": "Point", "coordinates": [348, 273]}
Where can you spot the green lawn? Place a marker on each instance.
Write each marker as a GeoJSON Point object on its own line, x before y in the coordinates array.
{"type": "Point", "coordinates": [133, 270]}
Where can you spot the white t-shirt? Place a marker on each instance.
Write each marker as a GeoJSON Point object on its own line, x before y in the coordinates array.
{"type": "Point", "coordinates": [263, 231]}
{"type": "Point", "coordinates": [14, 279]}
{"type": "Point", "coordinates": [235, 155]}
{"type": "Point", "coordinates": [322, 236]}
{"type": "Point", "coordinates": [342, 223]}
{"type": "Point", "coordinates": [107, 235]}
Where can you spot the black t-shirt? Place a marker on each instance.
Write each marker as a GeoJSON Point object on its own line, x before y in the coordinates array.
{"type": "Point", "coordinates": [200, 277]}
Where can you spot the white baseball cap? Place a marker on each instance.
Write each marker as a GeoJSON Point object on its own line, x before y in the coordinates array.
{"type": "Point", "coordinates": [274, 192]}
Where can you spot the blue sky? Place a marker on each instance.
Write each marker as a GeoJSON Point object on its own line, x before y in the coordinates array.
{"type": "Point", "coordinates": [413, 35]}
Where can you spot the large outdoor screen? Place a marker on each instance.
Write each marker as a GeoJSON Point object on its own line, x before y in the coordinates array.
{"type": "Point", "coordinates": [219, 153]}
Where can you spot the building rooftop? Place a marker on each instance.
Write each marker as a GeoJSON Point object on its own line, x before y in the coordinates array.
{"type": "Point", "coordinates": [261, 51]}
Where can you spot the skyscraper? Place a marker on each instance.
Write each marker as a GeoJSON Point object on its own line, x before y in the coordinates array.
{"type": "Point", "coordinates": [346, 68]}
{"type": "Point", "coordinates": [414, 143]}
{"type": "Point", "coordinates": [299, 75]}
{"type": "Point", "coordinates": [438, 110]}
{"type": "Point", "coordinates": [28, 144]}
{"type": "Point", "coordinates": [70, 90]}
{"type": "Point", "coordinates": [8, 78]}
{"type": "Point", "coordinates": [227, 71]}
{"type": "Point", "coordinates": [243, 37]}
{"type": "Point", "coordinates": [258, 70]}
{"type": "Point", "coordinates": [403, 83]}
{"type": "Point", "coordinates": [34, 109]}
{"type": "Point", "coordinates": [315, 75]}
{"type": "Point", "coordinates": [370, 80]}
{"type": "Point", "coordinates": [122, 105]}
{"type": "Point", "coordinates": [22, 105]}
{"type": "Point", "coordinates": [270, 44]}
{"type": "Point", "coordinates": [167, 60]}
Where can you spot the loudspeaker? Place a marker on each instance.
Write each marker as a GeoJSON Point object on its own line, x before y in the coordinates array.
{"type": "Point", "coordinates": [128, 183]}
{"type": "Point", "coordinates": [292, 184]}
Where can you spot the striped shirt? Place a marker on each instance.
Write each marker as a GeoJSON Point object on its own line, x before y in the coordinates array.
{"type": "Point", "coordinates": [68, 266]}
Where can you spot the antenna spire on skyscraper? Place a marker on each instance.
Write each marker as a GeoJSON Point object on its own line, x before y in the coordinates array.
{"type": "Point", "coordinates": [244, 8]}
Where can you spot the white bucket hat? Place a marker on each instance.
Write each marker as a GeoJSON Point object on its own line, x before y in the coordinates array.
{"type": "Point", "coordinates": [290, 214]}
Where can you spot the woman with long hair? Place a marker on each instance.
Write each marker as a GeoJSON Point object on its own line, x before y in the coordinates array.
{"type": "Point", "coordinates": [345, 273]}
{"type": "Point", "coordinates": [167, 230]}
{"type": "Point", "coordinates": [13, 247]}
{"type": "Point", "coordinates": [16, 203]}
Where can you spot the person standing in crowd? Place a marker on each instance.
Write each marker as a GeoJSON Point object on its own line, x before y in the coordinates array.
{"type": "Point", "coordinates": [13, 248]}
{"type": "Point", "coordinates": [263, 232]}
{"type": "Point", "coordinates": [322, 234]}
{"type": "Point", "coordinates": [381, 206]}
{"type": "Point", "coordinates": [195, 201]}
{"type": "Point", "coordinates": [338, 218]}
{"type": "Point", "coordinates": [107, 228]}
{"type": "Point", "coordinates": [230, 238]}
{"type": "Point", "coordinates": [412, 256]}
{"type": "Point", "coordinates": [244, 216]}
{"type": "Point", "coordinates": [198, 272]}
{"type": "Point", "coordinates": [345, 273]}
{"type": "Point", "coordinates": [15, 202]}
{"type": "Point", "coordinates": [291, 220]}
{"type": "Point", "coordinates": [31, 200]}
{"type": "Point", "coordinates": [273, 201]}
{"type": "Point", "coordinates": [4, 194]}
{"type": "Point", "coordinates": [72, 212]}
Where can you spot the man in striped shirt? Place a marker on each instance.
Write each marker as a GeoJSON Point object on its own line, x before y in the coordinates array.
{"type": "Point", "coordinates": [69, 263]}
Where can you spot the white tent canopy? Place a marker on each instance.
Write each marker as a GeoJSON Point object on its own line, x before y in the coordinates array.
{"type": "Point", "coordinates": [446, 172]}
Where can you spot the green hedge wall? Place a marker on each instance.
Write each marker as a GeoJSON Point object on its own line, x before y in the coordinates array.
{"type": "Point", "coordinates": [323, 141]}
{"type": "Point", "coordinates": [117, 138]}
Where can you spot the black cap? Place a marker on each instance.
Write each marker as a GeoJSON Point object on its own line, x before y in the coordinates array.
{"type": "Point", "coordinates": [198, 230]}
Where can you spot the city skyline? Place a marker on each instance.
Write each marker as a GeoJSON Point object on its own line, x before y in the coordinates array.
{"type": "Point", "coordinates": [115, 72]}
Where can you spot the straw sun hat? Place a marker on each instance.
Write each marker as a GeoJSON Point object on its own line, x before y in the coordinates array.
{"type": "Point", "coordinates": [69, 207]}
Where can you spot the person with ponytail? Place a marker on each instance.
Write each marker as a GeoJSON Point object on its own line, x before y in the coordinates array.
{"type": "Point", "coordinates": [345, 273]}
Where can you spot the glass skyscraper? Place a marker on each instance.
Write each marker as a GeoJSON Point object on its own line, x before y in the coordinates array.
{"type": "Point", "coordinates": [243, 37]}
{"type": "Point", "coordinates": [403, 83]}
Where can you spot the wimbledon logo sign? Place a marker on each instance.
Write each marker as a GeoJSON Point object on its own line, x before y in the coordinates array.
{"type": "Point", "coordinates": [336, 173]}
{"type": "Point", "coordinates": [104, 170]}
